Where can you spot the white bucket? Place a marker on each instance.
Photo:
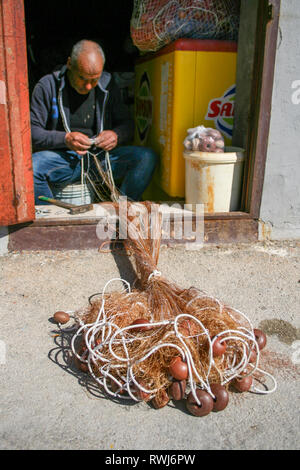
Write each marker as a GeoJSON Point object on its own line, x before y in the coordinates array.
{"type": "Point", "coordinates": [76, 193]}
{"type": "Point", "coordinates": [214, 179]}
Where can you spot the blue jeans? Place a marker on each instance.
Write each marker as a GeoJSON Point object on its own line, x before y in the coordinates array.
{"type": "Point", "coordinates": [132, 166]}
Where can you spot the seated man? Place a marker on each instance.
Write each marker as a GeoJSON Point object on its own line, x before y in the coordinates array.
{"type": "Point", "coordinates": [74, 105]}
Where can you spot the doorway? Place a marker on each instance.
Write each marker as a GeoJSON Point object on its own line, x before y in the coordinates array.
{"type": "Point", "coordinates": [53, 29]}
{"type": "Point", "coordinates": [46, 26]}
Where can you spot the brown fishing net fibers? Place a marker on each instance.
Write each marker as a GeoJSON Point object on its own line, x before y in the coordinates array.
{"type": "Point", "coordinates": [158, 341]}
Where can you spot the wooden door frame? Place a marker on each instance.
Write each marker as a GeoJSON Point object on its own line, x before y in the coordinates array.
{"type": "Point", "coordinates": [16, 177]}
{"type": "Point", "coordinates": [262, 90]}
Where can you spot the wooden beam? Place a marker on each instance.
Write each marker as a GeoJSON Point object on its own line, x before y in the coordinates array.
{"type": "Point", "coordinates": [16, 177]}
{"type": "Point", "coordinates": [83, 235]}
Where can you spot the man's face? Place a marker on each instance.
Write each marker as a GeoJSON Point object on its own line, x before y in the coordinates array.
{"type": "Point", "coordinates": [84, 76]}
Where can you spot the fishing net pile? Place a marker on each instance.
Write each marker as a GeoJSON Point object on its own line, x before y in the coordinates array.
{"type": "Point", "coordinates": [156, 23]}
{"type": "Point", "coordinates": [157, 341]}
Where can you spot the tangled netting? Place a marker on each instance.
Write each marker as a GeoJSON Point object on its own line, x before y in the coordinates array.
{"type": "Point", "coordinates": [156, 23]}
{"type": "Point", "coordinates": [129, 340]}
{"type": "Point", "coordinates": [154, 340]}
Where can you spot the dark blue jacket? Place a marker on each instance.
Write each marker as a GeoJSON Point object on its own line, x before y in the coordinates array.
{"type": "Point", "coordinates": [46, 106]}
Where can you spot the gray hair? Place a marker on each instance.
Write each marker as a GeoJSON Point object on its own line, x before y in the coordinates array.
{"type": "Point", "coordinates": [80, 46]}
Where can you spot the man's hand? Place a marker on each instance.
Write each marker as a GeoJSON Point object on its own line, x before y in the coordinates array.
{"type": "Point", "coordinates": [107, 140]}
{"type": "Point", "coordinates": [78, 142]}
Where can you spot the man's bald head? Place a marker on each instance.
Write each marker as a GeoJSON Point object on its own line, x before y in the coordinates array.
{"type": "Point", "coordinates": [86, 49]}
{"type": "Point", "coordinates": [85, 65]}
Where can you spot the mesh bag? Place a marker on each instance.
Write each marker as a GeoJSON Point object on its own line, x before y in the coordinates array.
{"type": "Point", "coordinates": [156, 23]}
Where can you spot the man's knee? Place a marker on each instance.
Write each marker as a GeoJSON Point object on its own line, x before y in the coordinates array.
{"type": "Point", "coordinates": [39, 160]}
{"type": "Point", "coordinates": [148, 157]}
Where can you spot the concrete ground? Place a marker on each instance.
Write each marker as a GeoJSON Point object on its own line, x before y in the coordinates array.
{"type": "Point", "coordinates": [45, 403]}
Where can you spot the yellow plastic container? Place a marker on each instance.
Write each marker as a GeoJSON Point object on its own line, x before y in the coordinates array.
{"type": "Point", "coordinates": [186, 84]}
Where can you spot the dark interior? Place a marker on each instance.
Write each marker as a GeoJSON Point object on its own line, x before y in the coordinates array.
{"type": "Point", "coordinates": [53, 27]}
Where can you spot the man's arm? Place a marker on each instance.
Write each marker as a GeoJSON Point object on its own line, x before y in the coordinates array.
{"type": "Point", "coordinates": [42, 111]}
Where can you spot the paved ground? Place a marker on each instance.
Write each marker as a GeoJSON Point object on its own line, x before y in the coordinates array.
{"type": "Point", "coordinates": [46, 404]}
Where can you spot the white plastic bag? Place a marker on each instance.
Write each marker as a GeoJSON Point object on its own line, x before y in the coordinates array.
{"type": "Point", "coordinates": [204, 139]}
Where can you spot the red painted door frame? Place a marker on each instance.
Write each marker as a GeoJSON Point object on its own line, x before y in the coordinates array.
{"type": "Point", "coordinates": [16, 177]}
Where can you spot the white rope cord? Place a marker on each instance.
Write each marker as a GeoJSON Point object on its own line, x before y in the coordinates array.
{"type": "Point", "coordinates": [111, 178]}
{"type": "Point", "coordinates": [266, 391]}
{"type": "Point", "coordinates": [237, 365]}
{"type": "Point", "coordinates": [190, 362]}
{"type": "Point", "coordinates": [82, 179]}
{"type": "Point", "coordinates": [155, 273]}
{"type": "Point", "coordinates": [88, 175]}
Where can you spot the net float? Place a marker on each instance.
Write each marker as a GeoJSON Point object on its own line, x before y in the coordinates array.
{"type": "Point", "coordinates": [253, 356]}
{"type": "Point", "coordinates": [218, 347]}
{"type": "Point", "coordinates": [178, 369]}
{"type": "Point", "coordinates": [161, 399]}
{"type": "Point", "coordinates": [145, 324]}
{"type": "Point", "coordinates": [185, 327]}
{"type": "Point", "coordinates": [177, 389]}
{"type": "Point", "coordinates": [221, 397]}
{"type": "Point", "coordinates": [61, 317]}
{"type": "Point", "coordinates": [206, 403]}
{"type": "Point", "coordinates": [140, 394]}
{"type": "Point", "coordinates": [243, 384]}
{"type": "Point", "coordinates": [260, 337]}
